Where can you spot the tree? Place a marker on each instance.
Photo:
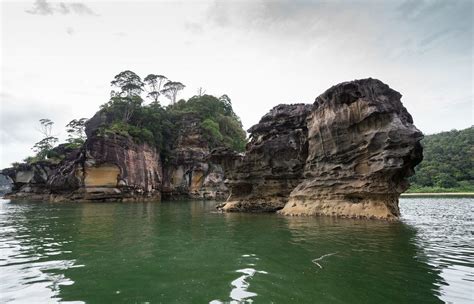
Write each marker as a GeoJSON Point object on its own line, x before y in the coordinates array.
{"type": "Point", "coordinates": [227, 105]}
{"type": "Point", "coordinates": [154, 84]}
{"type": "Point", "coordinates": [201, 91]}
{"type": "Point", "coordinates": [128, 99]}
{"type": "Point", "coordinates": [211, 131]}
{"type": "Point", "coordinates": [76, 131]}
{"type": "Point", "coordinates": [447, 161]}
{"type": "Point", "coordinates": [129, 83]}
{"type": "Point", "coordinates": [171, 89]}
{"type": "Point", "coordinates": [44, 146]}
{"type": "Point", "coordinates": [123, 107]}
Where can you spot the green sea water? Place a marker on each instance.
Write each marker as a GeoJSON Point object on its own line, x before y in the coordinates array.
{"type": "Point", "coordinates": [185, 252]}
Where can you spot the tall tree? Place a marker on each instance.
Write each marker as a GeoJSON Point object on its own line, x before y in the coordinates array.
{"type": "Point", "coordinates": [129, 83]}
{"type": "Point", "coordinates": [128, 99]}
{"type": "Point", "coordinates": [171, 89]}
{"type": "Point", "coordinates": [45, 145]}
{"type": "Point", "coordinates": [76, 131]}
{"type": "Point", "coordinates": [154, 84]}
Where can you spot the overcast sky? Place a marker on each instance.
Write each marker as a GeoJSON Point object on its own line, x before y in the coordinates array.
{"type": "Point", "coordinates": [58, 58]}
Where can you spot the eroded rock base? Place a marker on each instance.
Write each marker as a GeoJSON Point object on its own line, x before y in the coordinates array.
{"type": "Point", "coordinates": [381, 207]}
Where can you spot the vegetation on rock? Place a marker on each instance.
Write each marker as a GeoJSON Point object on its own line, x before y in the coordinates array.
{"type": "Point", "coordinates": [128, 114]}
{"type": "Point", "coordinates": [157, 125]}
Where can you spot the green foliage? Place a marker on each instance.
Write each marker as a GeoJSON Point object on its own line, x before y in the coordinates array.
{"type": "Point", "coordinates": [154, 84]}
{"type": "Point", "coordinates": [171, 89]}
{"type": "Point", "coordinates": [123, 107]}
{"type": "Point", "coordinates": [44, 146]}
{"type": "Point", "coordinates": [159, 125]}
{"type": "Point", "coordinates": [219, 122]}
{"type": "Point", "coordinates": [447, 164]}
{"type": "Point", "coordinates": [30, 160]}
{"type": "Point", "coordinates": [129, 83]}
{"type": "Point", "coordinates": [76, 134]}
{"type": "Point", "coordinates": [211, 132]}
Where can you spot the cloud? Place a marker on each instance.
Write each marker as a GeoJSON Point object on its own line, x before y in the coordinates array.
{"type": "Point", "coordinates": [444, 26]}
{"type": "Point", "coordinates": [19, 125]}
{"type": "Point", "coordinates": [78, 8]}
{"type": "Point", "coordinates": [42, 7]}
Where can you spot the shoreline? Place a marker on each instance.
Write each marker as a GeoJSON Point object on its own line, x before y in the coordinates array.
{"type": "Point", "coordinates": [425, 194]}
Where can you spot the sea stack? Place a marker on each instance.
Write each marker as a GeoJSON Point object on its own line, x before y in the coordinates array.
{"type": "Point", "coordinates": [359, 146]}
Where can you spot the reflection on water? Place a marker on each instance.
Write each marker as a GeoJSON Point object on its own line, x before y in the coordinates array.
{"type": "Point", "coordinates": [240, 286]}
{"type": "Point", "coordinates": [370, 260]}
{"type": "Point", "coordinates": [183, 252]}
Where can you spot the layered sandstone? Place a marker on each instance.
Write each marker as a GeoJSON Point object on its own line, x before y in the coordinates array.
{"type": "Point", "coordinates": [361, 147]}
{"type": "Point", "coordinates": [192, 170]}
{"type": "Point", "coordinates": [111, 167]}
{"type": "Point", "coordinates": [273, 163]}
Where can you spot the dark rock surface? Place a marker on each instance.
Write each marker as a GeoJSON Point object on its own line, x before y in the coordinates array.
{"type": "Point", "coordinates": [192, 170]}
{"type": "Point", "coordinates": [112, 167]}
{"type": "Point", "coordinates": [348, 154]}
{"type": "Point", "coordinates": [273, 164]}
{"type": "Point", "coordinates": [29, 181]}
{"type": "Point", "coordinates": [361, 146]}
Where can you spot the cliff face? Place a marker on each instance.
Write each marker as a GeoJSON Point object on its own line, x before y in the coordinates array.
{"type": "Point", "coordinates": [348, 154]}
{"type": "Point", "coordinates": [192, 170]}
{"type": "Point", "coordinates": [110, 168]}
{"type": "Point", "coordinates": [106, 168]}
{"type": "Point", "coordinates": [274, 161]}
{"type": "Point", "coordinates": [114, 167]}
{"type": "Point", "coordinates": [361, 147]}
{"type": "Point", "coordinates": [29, 181]}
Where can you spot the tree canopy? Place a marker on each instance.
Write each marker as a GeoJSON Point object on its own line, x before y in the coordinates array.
{"type": "Point", "coordinates": [158, 125]}
{"type": "Point", "coordinates": [447, 163]}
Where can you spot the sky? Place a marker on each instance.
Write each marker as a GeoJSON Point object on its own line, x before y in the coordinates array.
{"type": "Point", "coordinates": [57, 58]}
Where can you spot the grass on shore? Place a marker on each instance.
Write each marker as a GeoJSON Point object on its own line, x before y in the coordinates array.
{"type": "Point", "coordinates": [468, 189]}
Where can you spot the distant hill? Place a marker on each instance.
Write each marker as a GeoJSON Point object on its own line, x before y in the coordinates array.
{"type": "Point", "coordinates": [448, 163]}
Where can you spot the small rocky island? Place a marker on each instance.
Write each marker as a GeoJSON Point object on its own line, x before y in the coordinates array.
{"type": "Point", "coordinates": [347, 154]}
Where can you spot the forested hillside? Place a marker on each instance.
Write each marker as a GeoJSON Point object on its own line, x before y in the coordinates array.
{"type": "Point", "coordinates": [448, 163]}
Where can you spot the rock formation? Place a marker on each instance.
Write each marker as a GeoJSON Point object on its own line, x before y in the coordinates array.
{"type": "Point", "coordinates": [274, 161]}
{"type": "Point", "coordinates": [360, 147]}
{"type": "Point", "coordinates": [29, 181]}
{"type": "Point", "coordinates": [348, 154]}
{"type": "Point", "coordinates": [111, 167]}
{"type": "Point", "coordinates": [192, 170]}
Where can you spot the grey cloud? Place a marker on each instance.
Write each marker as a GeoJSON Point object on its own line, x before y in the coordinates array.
{"type": "Point", "coordinates": [42, 7]}
{"type": "Point", "coordinates": [432, 19]}
{"type": "Point", "coordinates": [63, 9]}
{"type": "Point", "coordinates": [444, 25]}
{"type": "Point", "coordinates": [80, 9]}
